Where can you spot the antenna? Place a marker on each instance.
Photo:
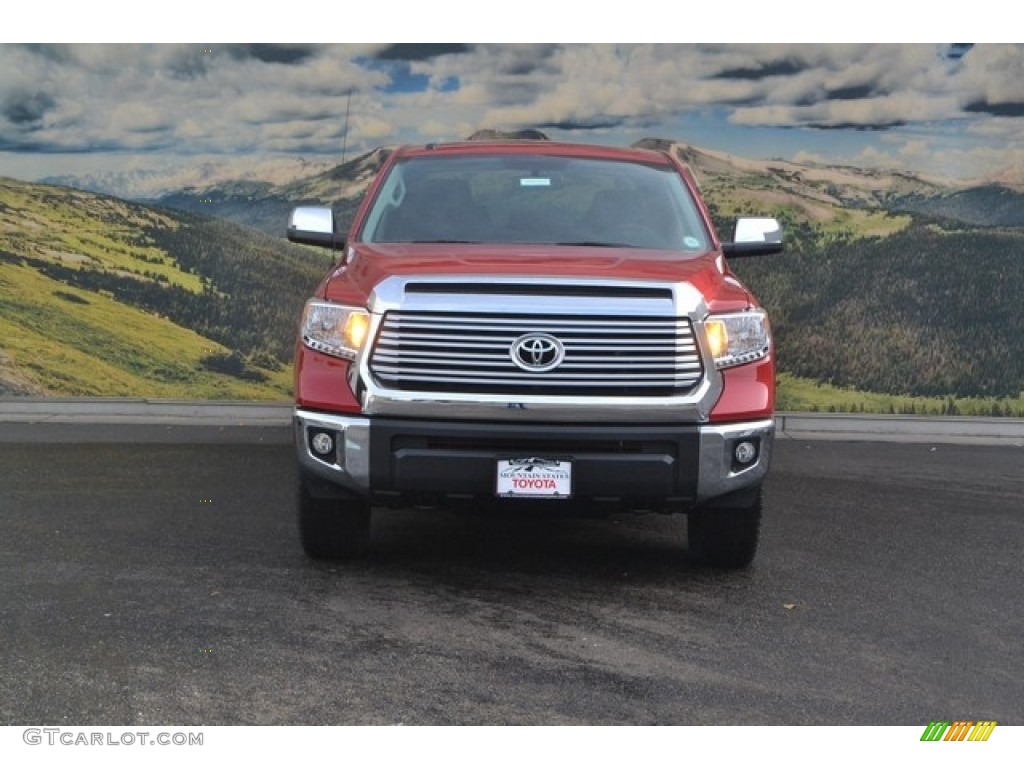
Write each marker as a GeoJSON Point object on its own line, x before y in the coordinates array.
{"type": "Point", "coordinates": [344, 140]}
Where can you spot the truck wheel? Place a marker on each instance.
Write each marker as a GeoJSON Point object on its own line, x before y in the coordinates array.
{"type": "Point", "coordinates": [723, 536]}
{"type": "Point", "coordinates": [333, 528]}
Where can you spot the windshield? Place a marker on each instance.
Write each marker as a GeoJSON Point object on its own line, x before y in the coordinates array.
{"type": "Point", "coordinates": [535, 199]}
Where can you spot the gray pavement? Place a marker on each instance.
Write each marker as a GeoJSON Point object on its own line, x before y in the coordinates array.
{"type": "Point", "coordinates": [165, 585]}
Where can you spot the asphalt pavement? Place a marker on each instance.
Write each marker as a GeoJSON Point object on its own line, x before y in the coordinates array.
{"type": "Point", "coordinates": [153, 575]}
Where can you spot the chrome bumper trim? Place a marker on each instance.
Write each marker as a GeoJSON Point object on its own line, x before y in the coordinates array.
{"type": "Point", "coordinates": [716, 440]}
{"type": "Point", "coordinates": [351, 469]}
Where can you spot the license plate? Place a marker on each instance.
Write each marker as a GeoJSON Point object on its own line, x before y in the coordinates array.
{"type": "Point", "coordinates": [535, 478]}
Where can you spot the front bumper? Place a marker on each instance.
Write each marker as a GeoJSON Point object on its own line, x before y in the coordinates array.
{"type": "Point", "coordinates": [433, 462]}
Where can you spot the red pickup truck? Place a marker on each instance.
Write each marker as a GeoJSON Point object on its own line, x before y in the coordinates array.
{"type": "Point", "coordinates": [534, 323]}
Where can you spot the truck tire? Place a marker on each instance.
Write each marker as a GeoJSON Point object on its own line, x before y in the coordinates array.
{"type": "Point", "coordinates": [333, 528]}
{"type": "Point", "coordinates": [725, 536]}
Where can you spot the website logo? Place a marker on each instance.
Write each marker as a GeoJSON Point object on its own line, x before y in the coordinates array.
{"type": "Point", "coordinates": [958, 730]}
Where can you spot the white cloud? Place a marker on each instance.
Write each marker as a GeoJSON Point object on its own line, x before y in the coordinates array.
{"type": "Point", "coordinates": [194, 99]}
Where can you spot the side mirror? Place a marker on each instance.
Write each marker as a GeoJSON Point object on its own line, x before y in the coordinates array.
{"type": "Point", "coordinates": [314, 225]}
{"type": "Point", "coordinates": [754, 237]}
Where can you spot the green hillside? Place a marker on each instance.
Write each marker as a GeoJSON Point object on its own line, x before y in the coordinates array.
{"type": "Point", "coordinates": [895, 294]}
{"type": "Point", "coordinates": [928, 311]}
{"type": "Point", "coordinates": [802, 395]}
{"type": "Point", "coordinates": [103, 297]}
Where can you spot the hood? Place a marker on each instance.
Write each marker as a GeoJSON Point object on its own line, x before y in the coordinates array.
{"type": "Point", "coordinates": [367, 265]}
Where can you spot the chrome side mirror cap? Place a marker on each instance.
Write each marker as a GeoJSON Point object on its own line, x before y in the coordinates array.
{"type": "Point", "coordinates": [314, 225]}
{"type": "Point", "coordinates": [754, 236]}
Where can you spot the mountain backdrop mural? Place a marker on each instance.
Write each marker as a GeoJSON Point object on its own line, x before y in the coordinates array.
{"type": "Point", "coordinates": [144, 192]}
{"type": "Point", "coordinates": [895, 293]}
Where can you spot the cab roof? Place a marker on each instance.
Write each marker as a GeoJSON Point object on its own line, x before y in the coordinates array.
{"type": "Point", "coordinates": [535, 147]}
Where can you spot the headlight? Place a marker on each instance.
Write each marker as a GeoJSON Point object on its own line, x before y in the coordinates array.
{"type": "Point", "coordinates": [738, 338]}
{"type": "Point", "coordinates": [334, 329]}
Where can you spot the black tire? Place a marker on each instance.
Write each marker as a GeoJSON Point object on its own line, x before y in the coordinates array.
{"type": "Point", "coordinates": [333, 528]}
{"type": "Point", "coordinates": [724, 536]}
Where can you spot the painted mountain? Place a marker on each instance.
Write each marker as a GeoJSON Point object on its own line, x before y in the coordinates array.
{"type": "Point", "coordinates": [891, 283]}
{"type": "Point", "coordinates": [104, 297]}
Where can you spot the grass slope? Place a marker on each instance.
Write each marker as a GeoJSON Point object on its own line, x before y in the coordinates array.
{"type": "Point", "coordinates": [61, 340]}
{"type": "Point", "coordinates": [801, 394]}
{"type": "Point", "coordinates": [83, 230]}
{"type": "Point", "coordinates": [92, 302]}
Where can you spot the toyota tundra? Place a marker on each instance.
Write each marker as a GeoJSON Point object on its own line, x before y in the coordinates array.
{"type": "Point", "coordinates": [533, 324]}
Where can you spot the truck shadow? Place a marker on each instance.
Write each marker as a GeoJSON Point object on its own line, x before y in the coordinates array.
{"type": "Point", "coordinates": [650, 547]}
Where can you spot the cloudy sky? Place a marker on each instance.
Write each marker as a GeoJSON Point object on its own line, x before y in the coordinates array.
{"type": "Point", "coordinates": [942, 109]}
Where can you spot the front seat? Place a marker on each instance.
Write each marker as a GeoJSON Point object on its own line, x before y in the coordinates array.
{"type": "Point", "coordinates": [439, 209]}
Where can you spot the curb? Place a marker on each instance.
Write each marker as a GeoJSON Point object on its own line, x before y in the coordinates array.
{"type": "Point", "coordinates": [205, 413]}
{"type": "Point", "coordinates": [963, 430]}
{"type": "Point", "coordinates": [111, 412]}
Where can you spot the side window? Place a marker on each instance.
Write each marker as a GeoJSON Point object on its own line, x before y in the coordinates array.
{"type": "Point", "coordinates": [388, 201]}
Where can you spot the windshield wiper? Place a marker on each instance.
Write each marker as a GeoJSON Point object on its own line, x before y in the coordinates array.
{"type": "Point", "coordinates": [596, 244]}
{"type": "Point", "coordinates": [445, 240]}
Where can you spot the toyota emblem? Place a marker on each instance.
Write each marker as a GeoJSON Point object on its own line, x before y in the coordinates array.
{"type": "Point", "coordinates": [537, 352]}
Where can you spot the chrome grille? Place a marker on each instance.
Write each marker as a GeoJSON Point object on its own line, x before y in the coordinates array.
{"type": "Point", "coordinates": [470, 353]}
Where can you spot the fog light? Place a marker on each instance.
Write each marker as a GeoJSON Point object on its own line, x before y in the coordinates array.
{"type": "Point", "coordinates": [745, 452]}
{"type": "Point", "coordinates": [322, 444]}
